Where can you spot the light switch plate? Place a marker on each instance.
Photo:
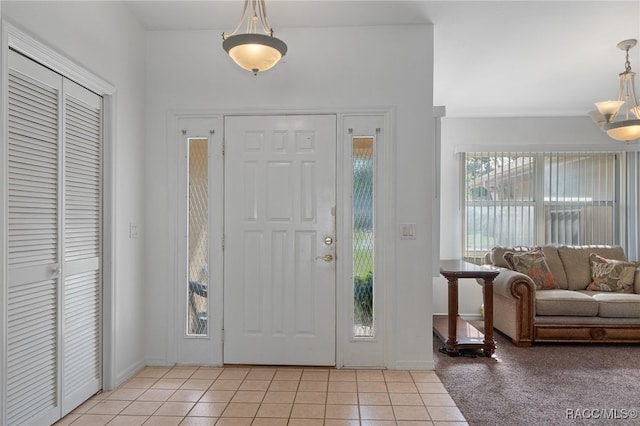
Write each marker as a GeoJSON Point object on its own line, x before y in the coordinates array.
{"type": "Point", "coordinates": [407, 231]}
{"type": "Point", "coordinates": [133, 231]}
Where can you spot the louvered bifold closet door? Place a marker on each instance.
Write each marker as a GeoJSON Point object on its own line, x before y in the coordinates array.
{"type": "Point", "coordinates": [32, 391]}
{"type": "Point", "coordinates": [54, 210]}
{"type": "Point", "coordinates": [82, 289]}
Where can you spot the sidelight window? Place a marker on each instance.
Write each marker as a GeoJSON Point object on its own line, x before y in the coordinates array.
{"type": "Point", "coordinates": [198, 237]}
{"type": "Point", "coordinates": [363, 236]}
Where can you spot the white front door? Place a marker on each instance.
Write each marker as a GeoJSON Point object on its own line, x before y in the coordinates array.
{"type": "Point", "coordinates": [279, 267]}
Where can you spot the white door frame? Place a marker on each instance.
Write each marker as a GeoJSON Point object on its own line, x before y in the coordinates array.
{"type": "Point", "coordinates": [20, 41]}
{"type": "Point", "coordinates": [360, 118]}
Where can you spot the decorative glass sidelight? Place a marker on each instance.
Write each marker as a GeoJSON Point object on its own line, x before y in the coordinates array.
{"type": "Point", "coordinates": [198, 235]}
{"type": "Point", "coordinates": [363, 237]}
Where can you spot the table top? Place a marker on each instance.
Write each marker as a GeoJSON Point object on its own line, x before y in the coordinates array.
{"type": "Point", "coordinates": [461, 269]}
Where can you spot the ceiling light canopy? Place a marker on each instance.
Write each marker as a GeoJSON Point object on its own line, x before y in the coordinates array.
{"type": "Point", "coordinates": [254, 51]}
{"type": "Point", "coordinates": [627, 128]}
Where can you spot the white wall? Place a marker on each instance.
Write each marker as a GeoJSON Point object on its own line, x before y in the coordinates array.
{"type": "Point", "coordinates": [499, 134]}
{"type": "Point", "coordinates": [325, 70]}
{"type": "Point", "coordinates": [106, 39]}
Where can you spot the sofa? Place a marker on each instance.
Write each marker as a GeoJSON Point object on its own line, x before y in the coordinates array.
{"type": "Point", "coordinates": [588, 294]}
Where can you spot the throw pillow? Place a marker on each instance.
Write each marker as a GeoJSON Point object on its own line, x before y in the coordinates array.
{"type": "Point", "coordinates": [611, 275]}
{"type": "Point", "coordinates": [496, 255]}
{"type": "Point", "coordinates": [534, 265]}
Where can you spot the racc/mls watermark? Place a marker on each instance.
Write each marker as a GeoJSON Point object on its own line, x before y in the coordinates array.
{"type": "Point", "coordinates": [601, 413]}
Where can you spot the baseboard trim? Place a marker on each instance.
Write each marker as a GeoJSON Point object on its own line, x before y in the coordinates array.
{"type": "Point", "coordinates": [414, 365]}
{"type": "Point", "coordinates": [131, 371]}
{"type": "Point", "coordinates": [466, 317]}
{"type": "Point", "coordinates": [472, 317]}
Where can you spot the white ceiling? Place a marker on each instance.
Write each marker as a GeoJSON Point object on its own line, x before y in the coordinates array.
{"type": "Point", "coordinates": [500, 58]}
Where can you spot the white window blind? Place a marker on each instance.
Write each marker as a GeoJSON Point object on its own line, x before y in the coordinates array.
{"type": "Point", "coordinates": [525, 199]}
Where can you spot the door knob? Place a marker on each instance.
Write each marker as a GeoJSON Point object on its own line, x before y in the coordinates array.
{"type": "Point", "coordinates": [327, 257]}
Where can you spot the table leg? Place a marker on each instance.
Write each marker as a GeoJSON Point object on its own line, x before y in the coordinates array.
{"type": "Point", "coordinates": [451, 345]}
{"type": "Point", "coordinates": [487, 294]}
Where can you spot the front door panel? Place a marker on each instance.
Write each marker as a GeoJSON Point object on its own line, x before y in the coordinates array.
{"type": "Point", "coordinates": [279, 280]}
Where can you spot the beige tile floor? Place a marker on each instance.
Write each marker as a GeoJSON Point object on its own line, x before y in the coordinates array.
{"type": "Point", "coordinates": [271, 396]}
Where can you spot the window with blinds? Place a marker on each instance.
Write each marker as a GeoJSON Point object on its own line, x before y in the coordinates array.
{"type": "Point", "coordinates": [525, 199]}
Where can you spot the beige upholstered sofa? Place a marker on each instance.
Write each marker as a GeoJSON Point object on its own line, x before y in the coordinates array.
{"type": "Point", "coordinates": [569, 313]}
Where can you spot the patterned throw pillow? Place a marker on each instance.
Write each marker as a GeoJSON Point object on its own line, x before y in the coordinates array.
{"type": "Point", "coordinates": [534, 265]}
{"type": "Point", "coordinates": [611, 275]}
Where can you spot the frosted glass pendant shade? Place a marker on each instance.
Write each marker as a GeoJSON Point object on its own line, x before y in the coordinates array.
{"type": "Point", "coordinates": [255, 52]}
{"type": "Point", "coordinates": [625, 131]}
{"type": "Point", "coordinates": [609, 108]}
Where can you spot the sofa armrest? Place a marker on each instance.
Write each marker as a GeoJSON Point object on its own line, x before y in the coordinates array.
{"type": "Point", "coordinates": [510, 283]}
{"type": "Point", "coordinates": [516, 294]}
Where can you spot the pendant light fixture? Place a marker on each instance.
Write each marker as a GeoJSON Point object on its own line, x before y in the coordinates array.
{"type": "Point", "coordinates": [628, 127]}
{"type": "Point", "coordinates": [254, 51]}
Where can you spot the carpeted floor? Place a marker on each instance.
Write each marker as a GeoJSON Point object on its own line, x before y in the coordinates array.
{"type": "Point", "coordinates": [547, 384]}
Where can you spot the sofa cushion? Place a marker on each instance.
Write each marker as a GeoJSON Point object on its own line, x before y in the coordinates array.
{"type": "Point", "coordinates": [555, 265]}
{"type": "Point", "coordinates": [618, 305]}
{"type": "Point", "coordinates": [533, 265]}
{"type": "Point", "coordinates": [611, 275]}
{"type": "Point", "coordinates": [575, 260]}
{"type": "Point", "coordinates": [565, 302]}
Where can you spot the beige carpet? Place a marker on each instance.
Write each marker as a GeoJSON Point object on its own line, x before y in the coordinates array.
{"type": "Point", "coordinates": [547, 384]}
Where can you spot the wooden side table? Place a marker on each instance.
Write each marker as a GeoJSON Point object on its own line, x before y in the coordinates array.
{"type": "Point", "coordinates": [460, 334]}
